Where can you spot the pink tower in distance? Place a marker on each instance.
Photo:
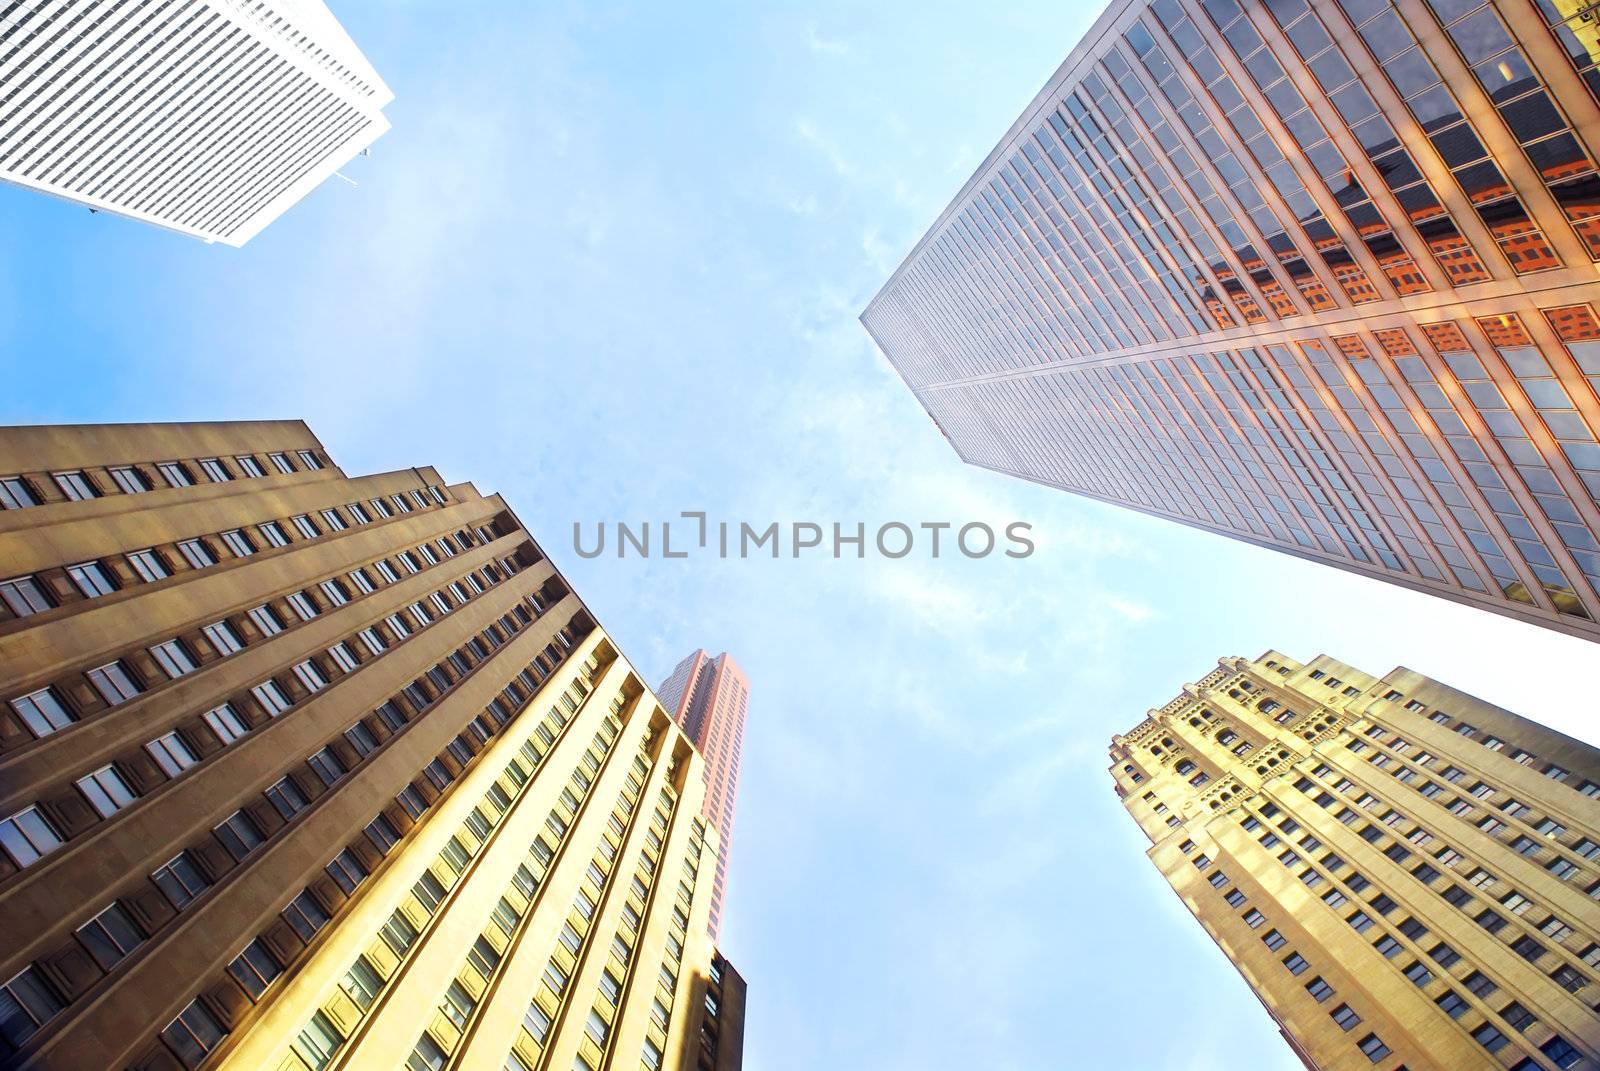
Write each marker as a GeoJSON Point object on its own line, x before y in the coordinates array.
{"type": "Point", "coordinates": [707, 698]}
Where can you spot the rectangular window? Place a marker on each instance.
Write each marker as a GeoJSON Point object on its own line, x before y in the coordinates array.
{"type": "Point", "coordinates": [27, 836]}
{"type": "Point", "coordinates": [389, 713]}
{"type": "Point", "coordinates": [347, 871]}
{"type": "Point", "coordinates": [16, 493]}
{"type": "Point", "coordinates": [305, 915]}
{"type": "Point", "coordinates": [197, 554]}
{"type": "Point", "coordinates": [306, 526]}
{"type": "Point", "coordinates": [398, 934]}
{"type": "Point", "coordinates": [110, 936]}
{"type": "Point", "coordinates": [411, 802]}
{"type": "Point", "coordinates": [266, 620]}
{"type": "Point", "coordinates": [331, 518]}
{"type": "Point", "coordinates": [310, 676]}
{"type": "Point", "coordinates": [362, 982]}
{"type": "Point", "coordinates": [271, 698]}
{"type": "Point", "coordinates": [180, 880]}
{"type": "Point", "coordinates": [214, 470]}
{"type": "Point", "coordinates": [249, 466]}
{"type": "Point", "coordinates": [24, 597]}
{"type": "Point", "coordinates": [361, 738]}
{"type": "Point", "coordinates": [286, 798]}
{"type": "Point", "coordinates": [130, 480]}
{"type": "Point", "coordinates": [238, 543]}
{"type": "Point", "coordinates": [193, 1034]}
{"type": "Point", "coordinates": [226, 723]}
{"type": "Point", "coordinates": [42, 712]}
{"type": "Point", "coordinates": [537, 1023]}
{"type": "Point", "coordinates": [327, 765]}
{"type": "Point", "coordinates": [427, 1056]}
{"type": "Point", "coordinates": [149, 565]}
{"type": "Point", "coordinates": [171, 753]}
{"type": "Point", "coordinates": [281, 462]}
{"type": "Point", "coordinates": [176, 473]}
{"type": "Point", "coordinates": [302, 605]}
{"type": "Point", "coordinates": [1490, 1038]}
{"type": "Point", "coordinates": [114, 682]}
{"type": "Point", "coordinates": [92, 579]}
{"type": "Point", "coordinates": [273, 534]}
{"type": "Point", "coordinates": [239, 834]}
{"type": "Point", "coordinates": [255, 968]}
{"type": "Point", "coordinates": [318, 1043]}
{"type": "Point", "coordinates": [76, 486]}
{"type": "Point", "coordinates": [309, 459]}
{"type": "Point", "coordinates": [223, 637]}
{"type": "Point", "coordinates": [382, 834]}
{"type": "Point", "coordinates": [173, 658]}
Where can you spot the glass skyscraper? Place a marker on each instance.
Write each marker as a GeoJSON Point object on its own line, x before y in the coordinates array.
{"type": "Point", "coordinates": [708, 698]}
{"type": "Point", "coordinates": [1319, 276]}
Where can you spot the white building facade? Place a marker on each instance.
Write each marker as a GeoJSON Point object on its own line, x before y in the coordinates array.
{"type": "Point", "coordinates": [209, 117]}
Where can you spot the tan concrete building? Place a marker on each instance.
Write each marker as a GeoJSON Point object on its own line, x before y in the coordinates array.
{"type": "Point", "coordinates": [1319, 275]}
{"type": "Point", "coordinates": [722, 1027]}
{"type": "Point", "coordinates": [1408, 877]}
{"type": "Point", "coordinates": [300, 770]}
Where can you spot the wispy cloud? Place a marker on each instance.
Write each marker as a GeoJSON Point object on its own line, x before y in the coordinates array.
{"type": "Point", "coordinates": [825, 46]}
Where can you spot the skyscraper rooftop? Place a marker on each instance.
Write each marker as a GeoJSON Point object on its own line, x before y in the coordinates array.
{"type": "Point", "coordinates": [209, 117]}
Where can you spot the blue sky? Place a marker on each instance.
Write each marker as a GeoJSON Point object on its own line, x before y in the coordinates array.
{"type": "Point", "coordinates": [608, 262]}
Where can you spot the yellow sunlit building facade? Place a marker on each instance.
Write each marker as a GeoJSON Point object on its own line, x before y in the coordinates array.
{"type": "Point", "coordinates": [1408, 877]}
{"type": "Point", "coordinates": [300, 770]}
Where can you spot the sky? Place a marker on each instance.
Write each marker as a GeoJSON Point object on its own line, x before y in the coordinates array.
{"type": "Point", "coordinates": [609, 262]}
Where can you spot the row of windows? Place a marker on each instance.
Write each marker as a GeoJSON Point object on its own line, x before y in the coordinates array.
{"type": "Point", "coordinates": [322, 1037]}
{"type": "Point", "coordinates": [1318, 988]}
{"type": "Point", "coordinates": [545, 1007]}
{"type": "Point", "coordinates": [191, 872]}
{"type": "Point", "coordinates": [1389, 942]}
{"type": "Point", "coordinates": [1026, 308]}
{"type": "Point", "coordinates": [488, 950]}
{"type": "Point", "coordinates": [79, 485]}
{"type": "Point", "coordinates": [24, 596]}
{"type": "Point", "coordinates": [52, 708]}
{"type": "Point", "coordinates": [1511, 809]}
{"type": "Point", "coordinates": [28, 834]}
{"type": "Point", "coordinates": [1155, 434]}
{"type": "Point", "coordinates": [1520, 756]}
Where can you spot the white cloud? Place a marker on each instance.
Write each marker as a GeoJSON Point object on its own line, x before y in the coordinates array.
{"type": "Point", "coordinates": [823, 46]}
{"type": "Point", "coordinates": [1134, 611]}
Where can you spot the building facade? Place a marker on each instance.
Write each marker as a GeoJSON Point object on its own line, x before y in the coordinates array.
{"type": "Point", "coordinates": [722, 1027]}
{"type": "Point", "coordinates": [708, 698]}
{"type": "Point", "coordinates": [1408, 877]}
{"type": "Point", "coordinates": [208, 117]}
{"type": "Point", "coordinates": [1316, 275]}
{"type": "Point", "coordinates": [302, 770]}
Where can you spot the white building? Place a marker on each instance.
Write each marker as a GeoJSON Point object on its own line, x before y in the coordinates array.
{"type": "Point", "coordinates": [209, 117]}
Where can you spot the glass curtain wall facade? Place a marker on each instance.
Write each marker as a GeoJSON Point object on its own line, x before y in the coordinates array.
{"type": "Point", "coordinates": [308, 771]}
{"type": "Point", "coordinates": [1315, 275]}
{"type": "Point", "coordinates": [1407, 876]}
{"type": "Point", "coordinates": [709, 699]}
